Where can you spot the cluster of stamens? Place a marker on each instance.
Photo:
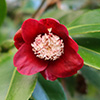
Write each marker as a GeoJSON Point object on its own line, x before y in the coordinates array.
{"type": "Point", "coordinates": [48, 46]}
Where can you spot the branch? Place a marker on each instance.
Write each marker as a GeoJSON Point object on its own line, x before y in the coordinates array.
{"type": "Point", "coordinates": [35, 14]}
{"type": "Point", "coordinates": [44, 5]}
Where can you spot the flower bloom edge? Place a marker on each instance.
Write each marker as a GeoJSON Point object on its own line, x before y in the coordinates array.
{"type": "Point", "coordinates": [26, 61]}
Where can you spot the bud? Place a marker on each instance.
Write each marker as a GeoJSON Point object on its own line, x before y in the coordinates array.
{"type": "Point", "coordinates": [6, 45]}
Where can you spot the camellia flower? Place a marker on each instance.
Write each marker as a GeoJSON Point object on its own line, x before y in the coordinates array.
{"type": "Point", "coordinates": [44, 46]}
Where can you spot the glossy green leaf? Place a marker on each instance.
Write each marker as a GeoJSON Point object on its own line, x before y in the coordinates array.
{"type": "Point", "coordinates": [89, 50]}
{"type": "Point", "coordinates": [90, 57]}
{"type": "Point", "coordinates": [90, 43]}
{"type": "Point", "coordinates": [6, 70]}
{"type": "Point", "coordinates": [95, 35]}
{"type": "Point", "coordinates": [92, 75]}
{"type": "Point", "coordinates": [84, 29]}
{"type": "Point", "coordinates": [14, 86]}
{"type": "Point", "coordinates": [86, 23]}
{"type": "Point", "coordinates": [2, 10]}
{"type": "Point", "coordinates": [86, 32]}
{"type": "Point", "coordinates": [21, 86]}
{"type": "Point", "coordinates": [70, 16]}
{"type": "Point", "coordinates": [48, 90]}
{"type": "Point", "coordinates": [91, 17]}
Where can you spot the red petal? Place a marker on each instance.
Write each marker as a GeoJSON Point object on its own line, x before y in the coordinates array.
{"type": "Point", "coordinates": [72, 43]}
{"type": "Point", "coordinates": [31, 28]}
{"type": "Point", "coordinates": [18, 39]}
{"type": "Point", "coordinates": [26, 62]}
{"type": "Point", "coordinates": [57, 28]}
{"type": "Point", "coordinates": [48, 76]}
{"type": "Point", "coordinates": [69, 63]}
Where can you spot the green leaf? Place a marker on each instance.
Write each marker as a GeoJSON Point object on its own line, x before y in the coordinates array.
{"type": "Point", "coordinates": [48, 90]}
{"type": "Point", "coordinates": [86, 23]}
{"type": "Point", "coordinates": [90, 43]}
{"type": "Point", "coordinates": [6, 70]}
{"type": "Point", "coordinates": [90, 57]}
{"type": "Point", "coordinates": [92, 75]}
{"type": "Point", "coordinates": [84, 29]}
{"type": "Point", "coordinates": [54, 13]}
{"type": "Point", "coordinates": [89, 49]}
{"type": "Point", "coordinates": [63, 16]}
{"type": "Point", "coordinates": [70, 16]}
{"type": "Point", "coordinates": [21, 86]}
{"type": "Point", "coordinates": [16, 87]}
{"type": "Point", "coordinates": [91, 17]}
{"type": "Point", "coordinates": [2, 11]}
{"type": "Point", "coordinates": [95, 35]}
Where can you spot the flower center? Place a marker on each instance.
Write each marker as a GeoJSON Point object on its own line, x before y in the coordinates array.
{"type": "Point", "coordinates": [48, 46]}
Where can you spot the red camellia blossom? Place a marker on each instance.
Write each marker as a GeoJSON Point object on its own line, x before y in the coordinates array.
{"type": "Point", "coordinates": [44, 46]}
